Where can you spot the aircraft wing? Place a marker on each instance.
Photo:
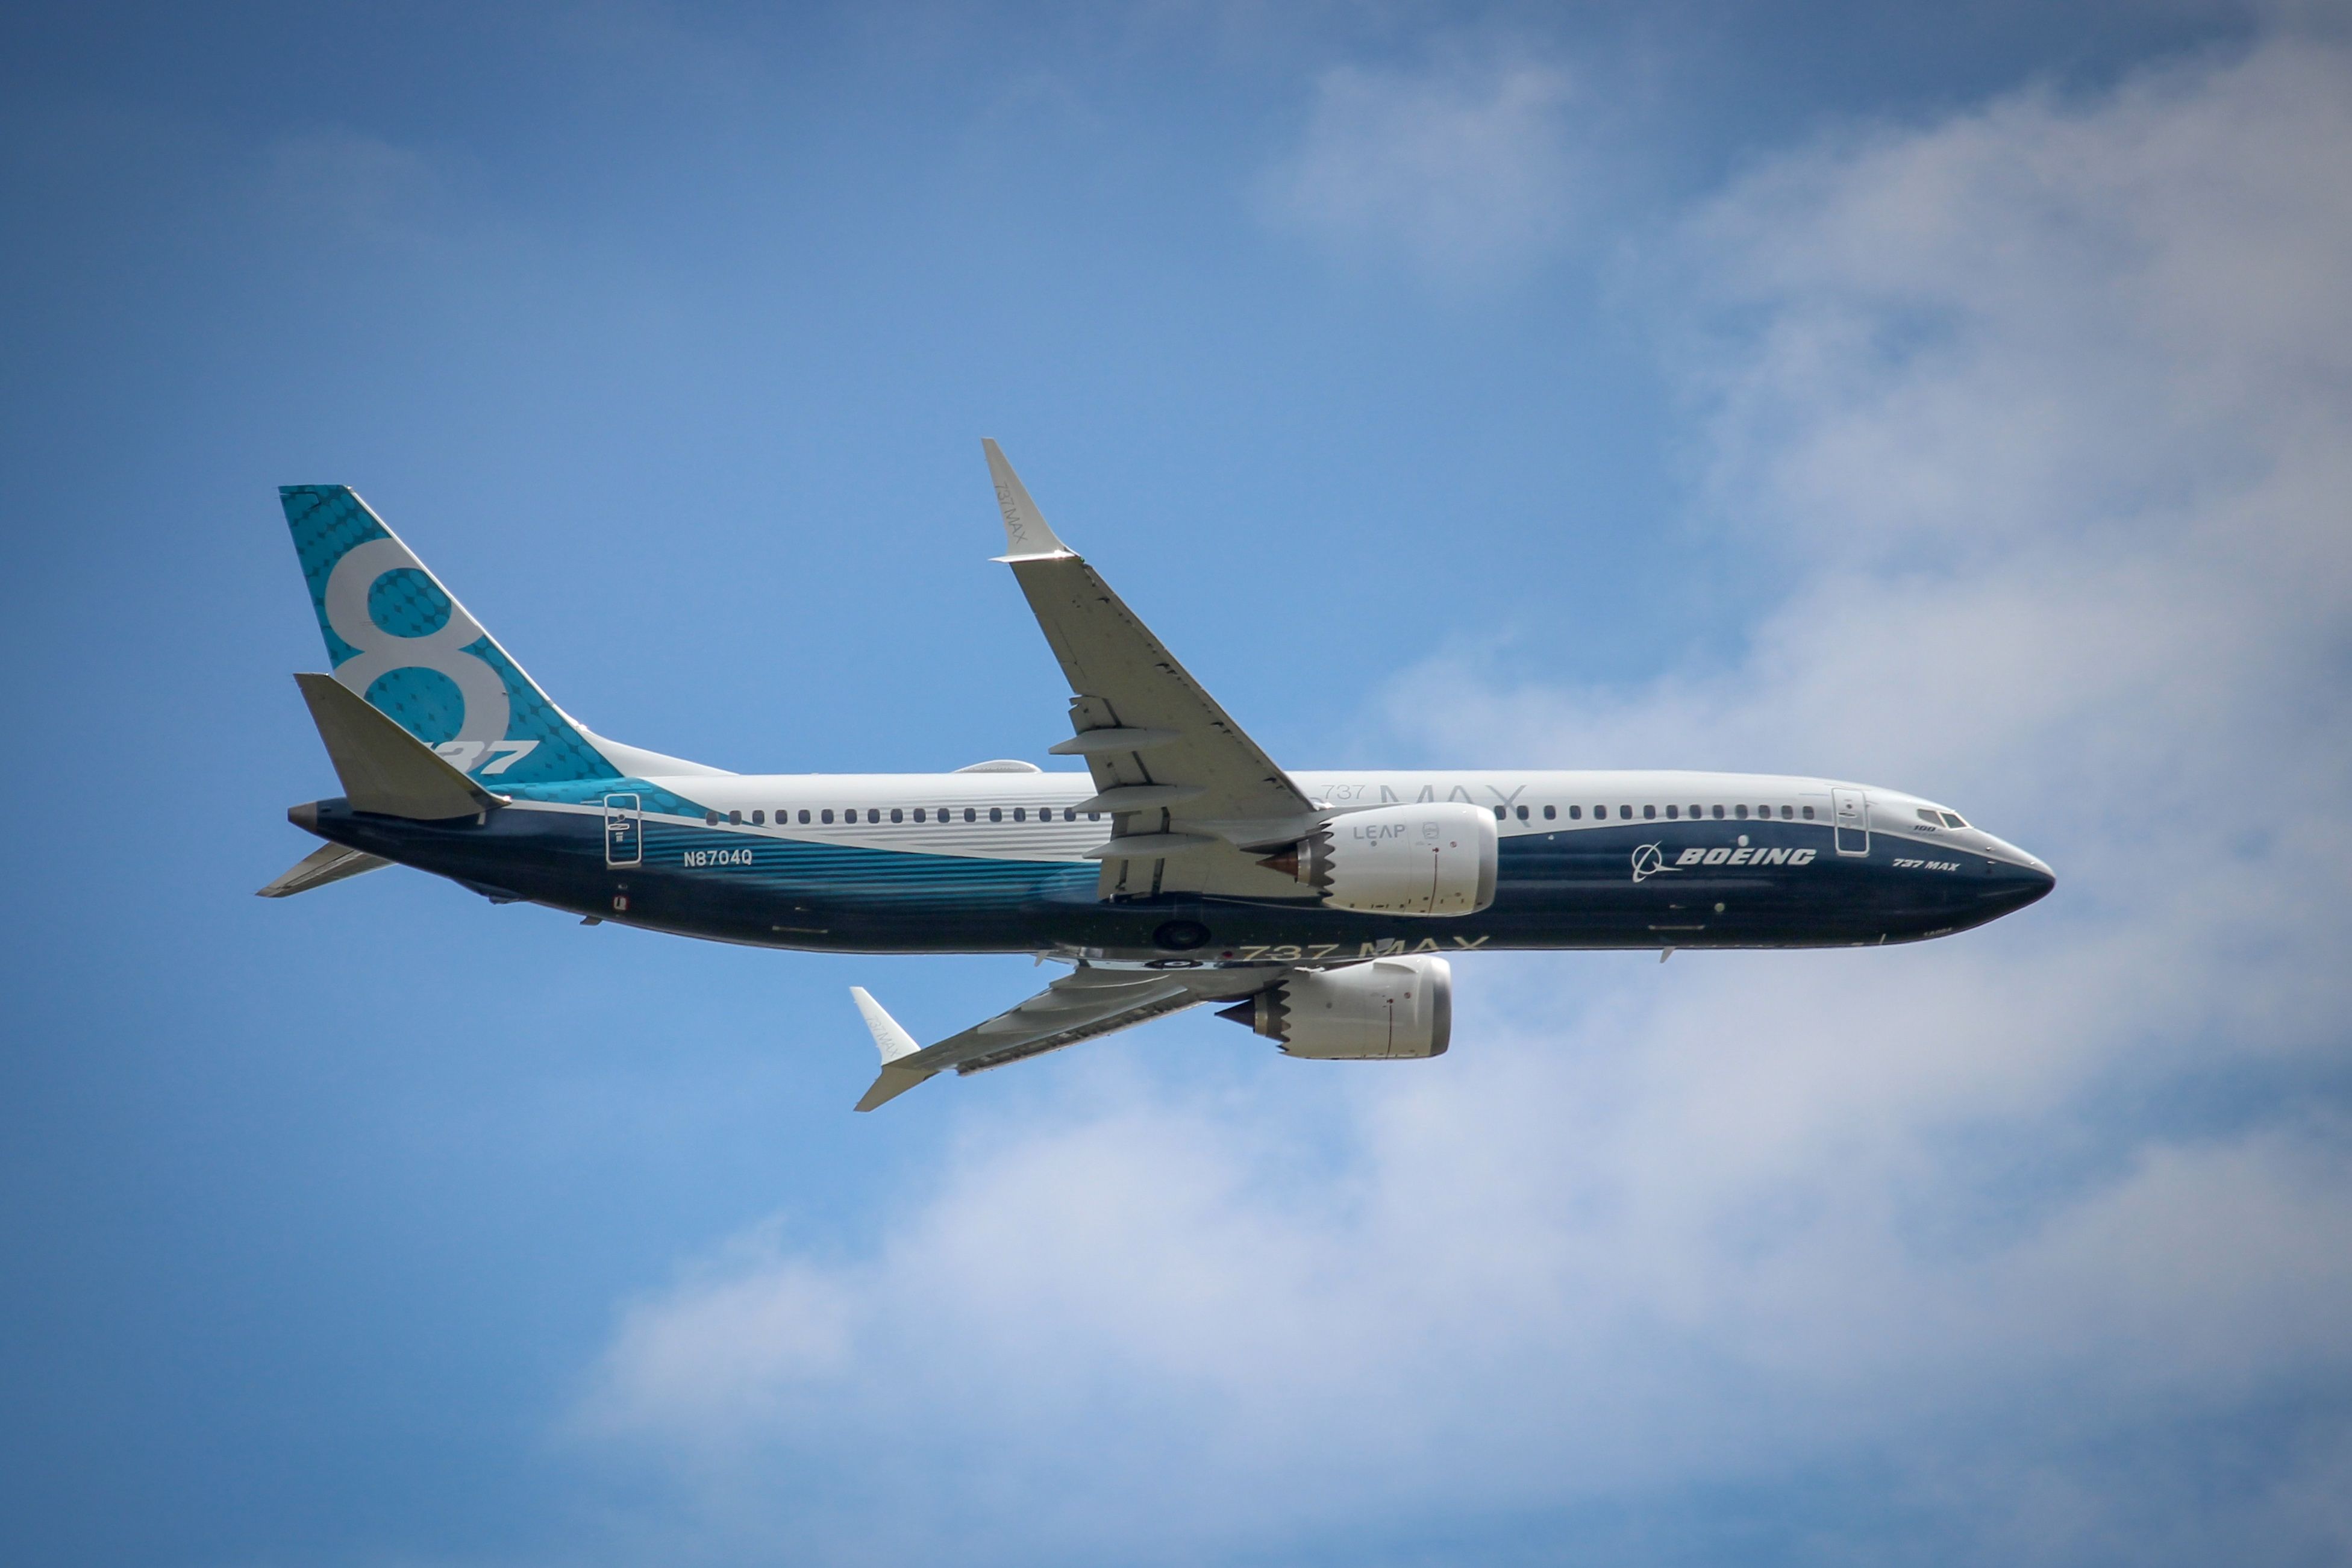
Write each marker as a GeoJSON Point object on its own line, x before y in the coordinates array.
{"type": "Point", "coordinates": [1085, 1004]}
{"type": "Point", "coordinates": [1188, 792]}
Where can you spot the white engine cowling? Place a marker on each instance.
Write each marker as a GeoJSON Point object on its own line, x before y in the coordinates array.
{"type": "Point", "coordinates": [1434, 858]}
{"type": "Point", "coordinates": [1385, 1010]}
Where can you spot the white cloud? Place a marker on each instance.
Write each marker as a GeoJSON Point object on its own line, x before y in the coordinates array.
{"type": "Point", "coordinates": [2050, 407]}
{"type": "Point", "coordinates": [1467, 171]}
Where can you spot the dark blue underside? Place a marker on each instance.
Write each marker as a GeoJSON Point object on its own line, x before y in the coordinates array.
{"type": "Point", "coordinates": [1557, 890]}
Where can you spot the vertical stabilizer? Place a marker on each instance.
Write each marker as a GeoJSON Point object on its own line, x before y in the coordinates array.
{"type": "Point", "coordinates": [401, 641]}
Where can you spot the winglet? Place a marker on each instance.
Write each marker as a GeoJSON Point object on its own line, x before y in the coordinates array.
{"type": "Point", "coordinates": [1026, 533]}
{"type": "Point", "coordinates": [895, 1044]}
{"type": "Point", "coordinates": [888, 1038]}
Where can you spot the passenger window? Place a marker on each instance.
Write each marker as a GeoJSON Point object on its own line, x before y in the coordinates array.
{"type": "Point", "coordinates": [1786, 813]}
{"type": "Point", "coordinates": [759, 819]}
{"type": "Point", "coordinates": [1523, 813]}
{"type": "Point", "coordinates": [896, 815]}
{"type": "Point", "coordinates": [1741, 812]}
{"type": "Point", "coordinates": [1673, 811]}
{"type": "Point", "coordinates": [1626, 813]}
{"type": "Point", "coordinates": [968, 816]}
{"type": "Point", "coordinates": [996, 813]}
{"type": "Point", "coordinates": [804, 815]}
{"type": "Point", "coordinates": [874, 813]}
{"type": "Point", "coordinates": [709, 819]}
{"type": "Point", "coordinates": [828, 814]}
{"type": "Point", "coordinates": [918, 813]}
{"type": "Point", "coordinates": [1576, 814]}
{"type": "Point", "coordinates": [1020, 813]}
{"type": "Point", "coordinates": [1718, 813]}
{"type": "Point", "coordinates": [1697, 814]}
{"type": "Point", "coordinates": [734, 819]}
{"type": "Point", "coordinates": [1551, 813]}
{"type": "Point", "coordinates": [1649, 813]}
{"type": "Point", "coordinates": [1094, 816]}
{"type": "Point", "coordinates": [1809, 813]}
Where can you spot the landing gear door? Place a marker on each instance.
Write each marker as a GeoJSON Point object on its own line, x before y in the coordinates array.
{"type": "Point", "coordinates": [1851, 814]}
{"type": "Point", "coordinates": [625, 841]}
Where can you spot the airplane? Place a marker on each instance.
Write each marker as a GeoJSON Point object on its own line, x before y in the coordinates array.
{"type": "Point", "coordinates": [1182, 866]}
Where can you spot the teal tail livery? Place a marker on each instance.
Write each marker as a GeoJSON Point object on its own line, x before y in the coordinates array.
{"type": "Point", "coordinates": [1172, 861]}
{"type": "Point", "coordinates": [399, 639]}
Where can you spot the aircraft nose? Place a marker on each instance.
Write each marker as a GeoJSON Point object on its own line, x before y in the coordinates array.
{"type": "Point", "coordinates": [2018, 882]}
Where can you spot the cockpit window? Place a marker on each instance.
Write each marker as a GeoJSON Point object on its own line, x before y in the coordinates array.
{"type": "Point", "coordinates": [1952, 820]}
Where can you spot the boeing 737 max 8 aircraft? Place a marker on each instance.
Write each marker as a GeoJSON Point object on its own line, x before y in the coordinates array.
{"type": "Point", "coordinates": [1184, 866]}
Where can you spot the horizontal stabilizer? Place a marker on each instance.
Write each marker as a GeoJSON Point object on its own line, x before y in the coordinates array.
{"type": "Point", "coordinates": [328, 862]}
{"type": "Point", "coordinates": [386, 769]}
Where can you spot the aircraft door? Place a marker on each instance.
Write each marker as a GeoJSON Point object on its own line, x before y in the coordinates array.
{"type": "Point", "coordinates": [625, 841]}
{"type": "Point", "coordinates": [1851, 814]}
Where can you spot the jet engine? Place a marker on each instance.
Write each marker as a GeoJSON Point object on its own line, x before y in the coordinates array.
{"type": "Point", "coordinates": [1387, 1010]}
{"type": "Point", "coordinates": [1434, 858]}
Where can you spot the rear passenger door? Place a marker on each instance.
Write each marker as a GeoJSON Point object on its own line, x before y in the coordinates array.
{"type": "Point", "coordinates": [624, 830]}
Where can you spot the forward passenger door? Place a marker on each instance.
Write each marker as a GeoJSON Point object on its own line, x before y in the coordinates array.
{"type": "Point", "coordinates": [1851, 811]}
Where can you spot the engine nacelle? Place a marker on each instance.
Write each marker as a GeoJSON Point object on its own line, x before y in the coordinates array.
{"type": "Point", "coordinates": [1387, 1010]}
{"type": "Point", "coordinates": [1434, 858]}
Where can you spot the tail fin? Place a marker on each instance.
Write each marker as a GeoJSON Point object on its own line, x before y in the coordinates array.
{"type": "Point", "coordinates": [400, 639]}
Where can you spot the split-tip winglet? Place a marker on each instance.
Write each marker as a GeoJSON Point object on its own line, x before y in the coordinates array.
{"type": "Point", "coordinates": [895, 1044]}
{"type": "Point", "coordinates": [1026, 532]}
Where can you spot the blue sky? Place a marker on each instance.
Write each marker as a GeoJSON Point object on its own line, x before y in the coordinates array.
{"type": "Point", "coordinates": [1955, 399]}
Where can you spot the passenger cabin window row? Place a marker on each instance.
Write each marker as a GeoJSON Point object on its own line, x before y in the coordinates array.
{"type": "Point", "coordinates": [1675, 813]}
{"type": "Point", "coordinates": [945, 814]}
{"type": "Point", "coordinates": [942, 815]}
